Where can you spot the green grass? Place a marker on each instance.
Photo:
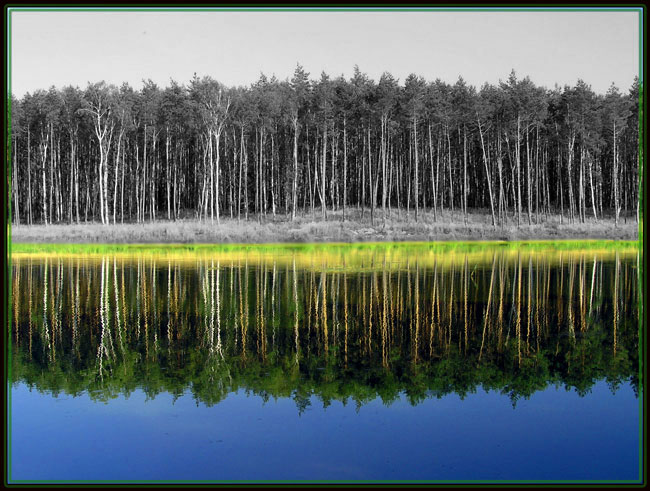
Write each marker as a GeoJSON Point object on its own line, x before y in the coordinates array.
{"type": "Point", "coordinates": [279, 248]}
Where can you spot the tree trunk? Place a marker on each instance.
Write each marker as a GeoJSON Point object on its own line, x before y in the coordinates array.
{"type": "Point", "coordinates": [465, 173]}
{"type": "Point", "coordinates": [537, 177]}
{"type": "Point", "coordinates": [434, 191]}
{"type": "Point", "coordinates": [137, 181]}
{"type": "Point", "coordinates": [363, 174]}
{"type": "Point", "coordinates": [121, 189]}
{"type": "Point", "coordinates": [272, 174]}
{"type": "Point", "coordinates": [528, 183]}
{"type": "Point", "coordinates": [29, 177]}
{"type": "Point", "coordinates": [518, 158]}
{"type": "Point", "coordinates": [345, 166]}
{"type": "Point", "coordinates": [143, 196]}
{"type": "Point", "coordinates": [294, 190]}
{"type": "Point", "coordinates": [569, 166]}
{"type": "Point", "coordinates": [52, 177]}
{"type": "Point", "coordinates": [372, 196]}
{"type": "Point", "coordinates": [211, 162]}
{"type": "Point", "coordinates": [487, 170]}
{"type": "Point", "coordinates": [383, 166]}
{"type": "Point", "coordinates": [241, 164]}
{"type": "Point", "coordinates": [44, 147]}
{"type": "Point", "coordinates": [417, 177]}
{"type": "Point", "coordinates": [218, 171]}
{"type": "Point", "coordinates": [323, 167]}
{"type": "Point", "coordinates": [591, 185]}
{"type": "Point", "coordinates": [167, 177]}
{"type": "Point", "coordinates": [15, 183]}
{"type": "Point", "coordinates": [502, 210]}
{"type": "Point", "coordinates": [451, 181]}
{"type": "Point", "coordinates": [617, 208]}
{"type": "Point", "coordinates": [117, 166]}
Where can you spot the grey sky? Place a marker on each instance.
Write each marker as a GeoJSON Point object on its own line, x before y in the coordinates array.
{"type": "Point", "coordinates": [61, 48]}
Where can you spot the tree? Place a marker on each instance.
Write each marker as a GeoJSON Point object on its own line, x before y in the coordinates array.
{"type": "Point", "coordinates": [98, 101]}
{"type": "Point", "coordinates": [72, 119]}
{"type": "Point", "coordinates": [463, 103]}
{"type": "Point", "coordinates": [212, 102]}
{"type": "Point", "coordinates": [616, 113]}
{"type": "Point", "coordinates": [484, 109]}
{"type": "Point", "coordinates": [324, 104]}
{"type": "Point", "coordinates": [344, 108]}
{"type": "Point", "coordinates": [387, 100]}
{"type": "Point", "coordinates": [17, 120]}
{"type": "Point", "coordinates": [414, 92]}
{"type": "Point", "coordinates": [297, 105]}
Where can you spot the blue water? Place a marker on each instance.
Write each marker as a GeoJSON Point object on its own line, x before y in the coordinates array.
{"type": "Point", "coordinates": [554, 435]}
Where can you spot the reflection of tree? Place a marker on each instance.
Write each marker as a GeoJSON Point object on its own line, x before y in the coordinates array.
{"type": "Point", "coordinates": [615, 303]}
{"type": "Point", "coordinates": [426, 331]}
{"type": "Point", "coordinates": [47, 340]}
{"type": "Point", "coordinates": [15, 301]}
{"type": "Point", "coordinates": [486, 319]}
{"type": "Point", "coordinates": [105, 349]}
{"type": "Point", "coordinates": [219, 371]}
{"type": "Point", "coordinates": [295, 311]}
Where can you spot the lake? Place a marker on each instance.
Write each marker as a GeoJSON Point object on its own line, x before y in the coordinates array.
{"type": "Point", "coordinates": [346, 364]}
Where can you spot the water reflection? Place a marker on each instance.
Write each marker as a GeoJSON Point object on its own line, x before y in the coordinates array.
{"type": "Point", "coordinates": [349, 329]}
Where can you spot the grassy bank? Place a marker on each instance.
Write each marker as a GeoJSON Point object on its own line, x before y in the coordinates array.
{"type": "Point", "coordinates": [306, 229]}
{"type": "Point", "coordinates": [457, 246]}
{"type": "Point", "coordinates": [350, 258]}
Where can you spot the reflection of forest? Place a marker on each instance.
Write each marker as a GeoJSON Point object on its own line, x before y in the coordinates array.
{"type": "Point", "coordinates": [514, 323]}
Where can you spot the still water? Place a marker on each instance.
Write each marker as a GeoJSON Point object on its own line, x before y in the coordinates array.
{"type": "Point", "coordinates": [369, 364]}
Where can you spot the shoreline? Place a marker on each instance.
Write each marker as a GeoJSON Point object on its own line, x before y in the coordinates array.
{"type": "Point", "coordinates": [34, 248]}
{"type": "Point", "coordinates": [356, 257]}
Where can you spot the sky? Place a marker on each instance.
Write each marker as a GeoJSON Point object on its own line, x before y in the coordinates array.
{"type": "Point", "coordinates": [73, 48]}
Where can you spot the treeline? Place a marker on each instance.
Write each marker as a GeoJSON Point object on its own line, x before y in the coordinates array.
{"type": "Point", "coordinates": [517, 151]}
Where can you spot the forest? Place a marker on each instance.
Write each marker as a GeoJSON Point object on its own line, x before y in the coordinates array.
{"type": "Point", "coordinates": [326, 148]}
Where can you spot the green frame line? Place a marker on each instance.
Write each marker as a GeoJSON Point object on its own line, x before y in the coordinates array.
{"type": "Point", "coordinates": [7, 279]}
